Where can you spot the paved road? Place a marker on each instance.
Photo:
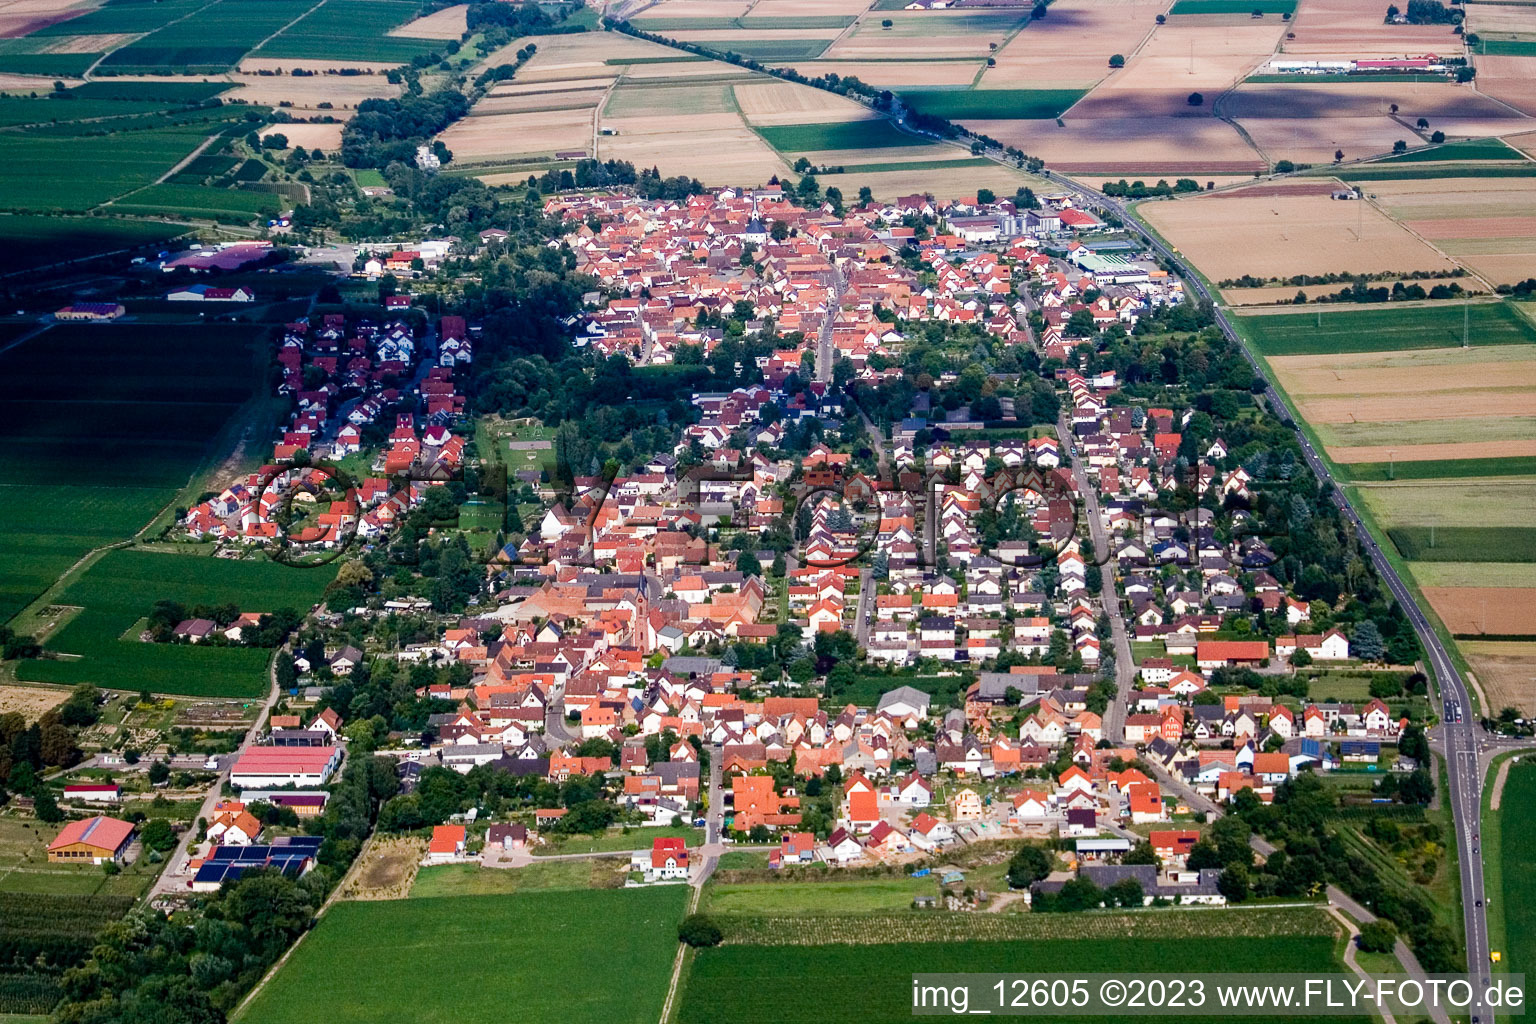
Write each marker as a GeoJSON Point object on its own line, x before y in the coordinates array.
{"type": "Point", "coordinates": [1460, 738]}
{"type": "Point", "coordinates": [861, 611]}
{"type": "Point", "coordinates": [1125, 664]}
{"type": "Point", "coordinates": [825, 354]}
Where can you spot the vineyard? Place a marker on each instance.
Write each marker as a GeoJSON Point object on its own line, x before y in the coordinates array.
{"type": "Point", "coordinates": [58, 929]}
{"type": "Point", "coordinates": [934, 926]}
{"type": "Point", "coordinates": [24, 992]}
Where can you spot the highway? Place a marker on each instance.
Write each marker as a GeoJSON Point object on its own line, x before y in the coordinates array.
{"type": "Point", "coordinates": [1458, 732]}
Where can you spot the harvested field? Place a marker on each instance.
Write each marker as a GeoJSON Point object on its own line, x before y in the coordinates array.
{"type": "Point", "coordinates": [577, 55]}
{"type": "Point", "coordinates": [1433, 452]}
{"type": "Point", "coordinates": [1436, 101]}
{"type": "Point", "coordinates": [895, 74]}
{"type": "Point", "coordinates": [30, 701]}
{"type": "Point", "coordinates": [725, 38]}
{"type": "Point", "coordinates": [503, 135]}
{"type": "Point", "coordinates": [1278, 236]}
{"type": "Point", "coordinates": [1475, 227]}
{"type": "Point", "coordinates": [1355, 28]}
{"type": "Point", "coordinates": [1485, 222]}
{"type": "Point", "coordinates": [1500, 611]}
{"type": "Point", "coordinates": [1178, 60]}
{"type": "Point", "coordinates": [448, 23]}
{"type": "Point", "coordinates": [1500, 17]}
{"type": "Point", "coordinates": [1314, 140]}
{"type": "Point", "coordinates": [1453, 403]}
{"type": "Point", "coordinates": [325, 137]}
{"type": "Point", "coordinates": [941, 34]}
{"type": "Point", "coordinates": [802, 8]}
{"type": "Point", "coordinates": [1129, 145]}
{"type": "Point", "coordinates": [81, 44]}
{"type": "Point", "coordinates": [889, 184]}
{"type": "Point", "coordinates": [719, 149]}
{"type": "Point", "coordinates": [574, 99]}
{"type": "Point", "coordinates": [1412, 433]}
{"type": "Point", "coordinates": [699, 9]}
{"type": "Point", "coordinates": [1508, 79]}
{"type": "Point", "coordinates": [342, 92]}
{"type": "Point", "coordinates": [1387, 373]}
{"type": "Point", "coordinates": [23, 17]}
{"type": "Point", "coordinates": [773, 103]}
{"type": "Point", "coordinates": [1506, 670]}
{"type": "Point", "coordinates": [1484, 574]}
{"type": "Point", "coordinates": [1486, 502]}
{"type": "Point", "coordinates": [1282, 294]}
{"type": "Point", "coordinates": [667, 99]}
{"type": "Point", "coordinates": [1071, 48]}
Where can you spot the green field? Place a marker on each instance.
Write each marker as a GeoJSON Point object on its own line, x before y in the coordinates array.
{"type": "Point", "coordinates": [351, 30]}
{"type": "Point", "coordinates": [877, 133]}
{"type": "Point", "coordinates": [43, 172]}
{"type": "Point", "coordinates": [1465, 543]}
{"type": "Point", "coordinates": [213, 38]}
{"type": "Point", "coordinates": [1379, 172]}
{"type": "Point", "coordinates": [600, 957]}
{"type": "Point", "coordinates": [873, 983]}
{"type": "Point", "coordinates": [1516, 868]}
{"type": "Point", "coordinates": [1506, 47]}
{"type": "Point", "coordinates": [32, 241]}
{"type": "Point", "coordinates": [474, 880]}
{"type": "Point", "coordinates": [203, 201]}
{"type": "Point", "coordinates": [851, 897]}
{"type": "Point", "coordinates": [771, 49]}
{"type": "Point", "coordinates": [748, 22]}
{"type": "Point", "coordinates": [617, 840]}
{"type": "Point", "coordinates": [1233, 6]}
{"type": "Point", "coordinates": [160, 92]}
{"type": "Point", "coordinates": [124, 16]}
{"type": "Point", "coordinates": [1470, 149]}
{"type": "Point", "coordinates": [1385, 330]}
{"type": "Point", "coordinates": [1439, 469]}
{"type": "Point", "coordinates": [116, 419]}
{"type": "Point", "coordinates": [123, 586]}
{"type": "Point", "coordinates": [960, 104]}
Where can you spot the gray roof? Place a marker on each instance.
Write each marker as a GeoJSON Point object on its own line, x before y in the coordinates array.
{"type": "Point", "coordinates": [905, 695]}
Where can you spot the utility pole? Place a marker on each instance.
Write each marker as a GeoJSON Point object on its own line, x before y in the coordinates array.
{"type": "Point", "coordinates": [1391, 460]}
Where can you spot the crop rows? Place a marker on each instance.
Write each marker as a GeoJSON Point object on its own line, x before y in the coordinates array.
{"type": "Point", "coordinates": [917, 926]}
{"type": "Point", "coordinates": [28, 993]}
{"type": "Point", "coordinates": [60, 929]}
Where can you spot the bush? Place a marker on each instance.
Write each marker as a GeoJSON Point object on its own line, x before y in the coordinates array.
{"type": "Point", "coordinates": [1379, 936]}
{"type": "Point", "coordinates": [699, 930]}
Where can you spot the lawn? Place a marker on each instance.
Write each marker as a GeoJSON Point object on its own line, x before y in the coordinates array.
{"type": "Point", "coordinates": [850, 897]}
{"type": "Point", "coordinates": [474, 880]}
{"type": "Point", "coordinates": [875, 133]}
{"type": "Point", "coordinates": [34, 241]}
{"type": "Point", "coordinates": [123, 586]}
{"type": "Point", "coordinates": [1233, 6]}
{"type": "Point", "coordinates": [960, 104]}
{"type": "Point", "coordinates": [1385, 330]}
{"type": "Point", "coordinates": [599, 957]}
{"type": "Point", "coordinates": [1440, 469]}
{"type": "Point", "coordinates": [618, 840]}
{"type": "Point", "coordinates": [351, 30]}
{"type": "Point", "coordinates": [795, 983]}
{"type": "Point", "coordinates": [1469, 149]}
{"type": "Point", "coordinates": [43, 171]}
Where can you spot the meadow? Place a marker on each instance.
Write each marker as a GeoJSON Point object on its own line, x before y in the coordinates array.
{"type": "Point", "coordinates": [350, 30]}
{"type": "Point", "coordinates": [1438, 469]}
{"type": "Point", "coordinates": [599, 957]}
{"type": "Point", "coordinates": [1517, 868]}
{"type": "Point", "coordinates": [859, 982]}
{"type": "Point", "coordinates": [1385, 329]}
{"type": "Point", "coordinates": [474, 880]}
{"type": "Point", "coordinates": [824, 897]}
{"type": "Point", "coordinates": [113, 440]}
{"type": "Point", "coordinates": [1465, 543]}
{"type": "Point", "coordinates": [123, 586]}
{"type": "Point", "coordinates": [965, 104]}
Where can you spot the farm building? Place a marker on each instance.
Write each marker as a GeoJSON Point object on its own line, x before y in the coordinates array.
{"type": "Point", "coordinates": [282, 766]}
{"type": "Point", "coordinates": [97, 311]}
{"type": "Point", "coordinates": [95, 792]}
{"type": "Point", "coordinates": [97, 840]}
{"type": "Point", "coordinates": [304, 803]}
{"type": "Point", "coordinates": [292, 855]}
{"type": "Point", "coordinates": [208, 293]}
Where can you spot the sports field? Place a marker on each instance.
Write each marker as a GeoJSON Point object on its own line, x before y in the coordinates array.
{"type": "Point", "coordinates": [116, 419]}
{"type": "Point", "coordinates": [598, 957]}
{"type": "Point", "coordinates": [1386, 329]}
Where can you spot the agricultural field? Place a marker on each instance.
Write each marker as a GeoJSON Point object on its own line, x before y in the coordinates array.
{"type": "Point", "coordinates": [46, 172]}
{"type": "Point", "coordinates": [474, 880]}
{"type": "Point", "coordinates": [212, 38]}
{"type": "Point", "coordinates": [599, 957]}
{"type": "Point", "coordinates": [1395, 329]}
{"type": "Point", "coordinates": [1484, 223]}
{"type": "Point", "coordinates": [1071, 46]}
{"type": "Point", "coordinates": [1505, 672]}
{"type": "Point", "coordinates": [1515, 869]}
{"type": "Point", "coordinates": [33, 241]}
{"type": "Point", "coordinates": [365, 30]}
{"type": "Point", "coordinates": [233, 206]}
{"type": "Point", "coordinates": [1355, 28]}
{"type": "Point", "coordinates": [823, 897]}
{"type": "Point", "coordinates": [116, 433]}
{"type": "Point", "coordinates": [796, 964]}
{"type": "Point", "coordinates": [1282, 230]}
{"type": "Point", "coordinates": [96, 644]}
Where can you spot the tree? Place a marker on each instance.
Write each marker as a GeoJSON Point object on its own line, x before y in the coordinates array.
{"type": "Point", "coordinates": [1338, 155]}
{"type": "Point", "coordinates": [1422, 123]}
{"type": "Point", "coordinates": [1195, 99]}
{"type": "Point", "coordinates": [985, 196]}
{"type": "Point", "coordinates": [1233, 883]}
{"type": "Point", "coordinates": [886, 23]}
{"type": "Point", "coordinates": [1117, 60]}
{"type": "Point", "coordinates": [1301, 659]}
{"type": "Point", "coordinates": [779, 231]}
{"type": "Point", "coordinates": [1378, 936]}
{"type": "Point", "coordinates": [46, 808]}
{"type": "Point", "coordinates": [157, 834]}
{"type": "Point", "coordinates": [1400, 146]}
{"type": "Point", "coordinates": [1141, 853]}
{"type": "Point", "coordinates": [698, 930]}
{"type": "Point", "coordinates": [748, 565]}
{"type": "Point", "coordinates": [159, 772]}
{"type": "Point", "coordinates": [1366, 642]}
{"type": "Point", "coordinates": [1029, 865]}
{"type": "Point", "coordinates": [1437, 137]}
